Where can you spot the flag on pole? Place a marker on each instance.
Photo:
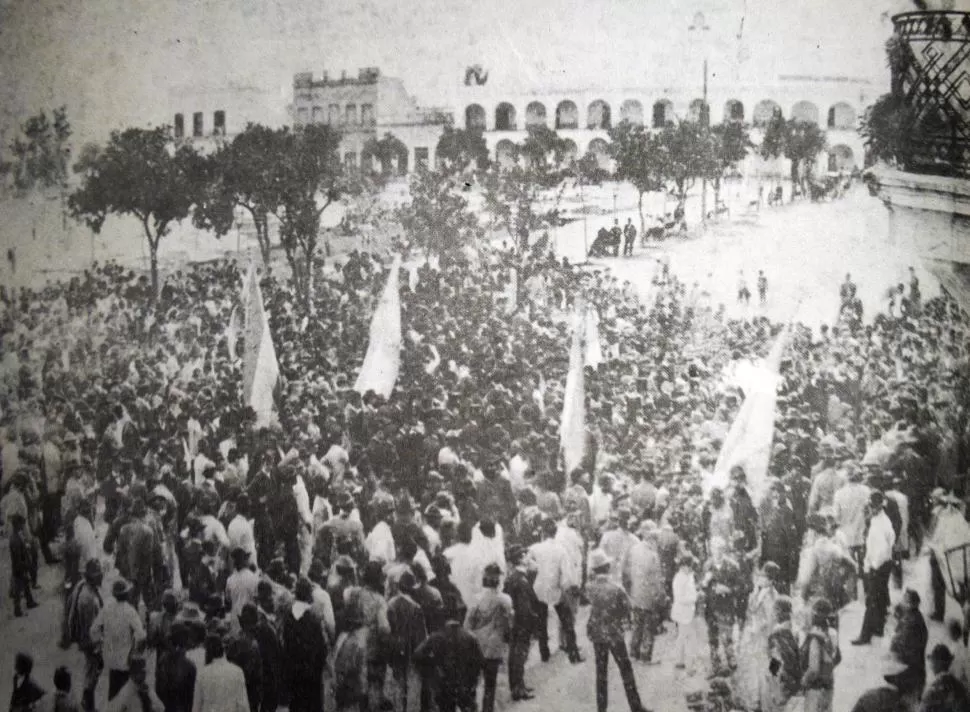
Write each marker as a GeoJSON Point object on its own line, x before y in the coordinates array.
{"type": "Point", "coordinates": [748, 442]}
{"type": "Point", "coordinates": [383, 359]}
{"type": "Point", "coordinates": [260, 367]}
{"type": "Point", "coordinates": [572, 428]}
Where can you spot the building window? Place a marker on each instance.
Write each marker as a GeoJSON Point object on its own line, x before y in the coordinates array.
{"type": "Point", "coordinates": [367, 114]}
{"type": "Point", "coordinates": [197, 124]}
{"type": "Point", "coordinates": [179, 126]}
{"type": "Point", "coordinates": [421, 157]}
{"type": "Point", "coordinates": [333, 114]}
{"type": "Point", "coordinates": [219, 123]}
{"type": "Point", "coordinates": [350, 159]}
{"type": "Point", "coordinates": [302, 114]}
{"type": "Point", "coordinates": [351, 114]}
{"type": "Point", "coordinates": [317, 116]}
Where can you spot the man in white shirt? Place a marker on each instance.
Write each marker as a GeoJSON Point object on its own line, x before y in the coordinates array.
{"type": "Point", "coordinates": [119, 630]}
{"type": "Point", "coordinates": [849, 510]}
{"type": "Point", "coordinates": [380, 542]}
{"type": "Point", "coordinates": [240, 531]}
{"type": "Point", "coordinates": [241, 584]}
{"type": "Point", "coordinates": [877, 565]}
{"type": "Point", "coordinates": [554, 576]}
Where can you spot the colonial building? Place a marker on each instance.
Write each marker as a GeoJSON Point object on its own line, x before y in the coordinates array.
{"type": "Point", "coordinates": [366, 108]}
{"type": "Point", "coordinates": [584, 115]}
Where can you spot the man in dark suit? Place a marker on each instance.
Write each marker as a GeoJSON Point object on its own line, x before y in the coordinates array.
{"type": "Point", "coordinates": [525, 606]}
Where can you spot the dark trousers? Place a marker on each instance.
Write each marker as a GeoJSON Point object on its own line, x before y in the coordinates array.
{"type": "Point", "coordinates": [939, 588]}
{"type": "Point", "coordinates": [306, 695]}
{"type": "Point", "coordinates": [20, 589]}
{"type": "Point", "coordinates": [628, 246]}
{"type": "Point", "coordinates": [877, 601]}
{"type": "Point", "coordinates": [602, 653]}
{"type": "Point", "coordinates": [645, 622]}
{"type": "Point", "coordinates": [519, 643]}
{"type": "Point", "coordinates": [490, 675]}
{"type": "Point", "coordinates": [116, 680]}
{"type": "Point", "coordinates": [565, 614]}
{"type": "Point", "coordinates": [51, 509]}
{"type": "Point", "coordinates": [451, 699]}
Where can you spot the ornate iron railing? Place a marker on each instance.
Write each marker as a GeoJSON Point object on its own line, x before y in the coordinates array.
{"type": "Point", "coordinates": [930, 63]}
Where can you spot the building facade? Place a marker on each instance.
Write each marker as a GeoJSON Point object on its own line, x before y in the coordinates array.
{"type": "Point", "coordinates": [583, 116]}
{"type": "Point", "coordinates": [365, 109]}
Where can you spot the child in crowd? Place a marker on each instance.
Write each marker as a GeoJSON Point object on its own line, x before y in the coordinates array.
{"type": "Point", "coordinates": [685, 600]}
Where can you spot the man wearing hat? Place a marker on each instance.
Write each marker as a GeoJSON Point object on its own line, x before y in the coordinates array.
{"type": "Point", "coordinates": [490, 620]}
{"type": "Point", "coordinates": [141, 549]}
{"type": "Point", "coordinates": [849, 510]}
{"type": "Point", "coordinates": [945, 693]}
{"type": "Point", "coordinates": [877, 567]}
{"type": "Point", "coordinates": [642, 576]}
{"type": "Point", "coordinates": [241, 584]}
{"type": "Point", "coordinates": [525, 620]}
{"type": "Point", "coordinates": [82, 610]}
{"type": "Point", "coordinates": [609, 611]}
{"type": "Point", "coordinates": [119, 631]}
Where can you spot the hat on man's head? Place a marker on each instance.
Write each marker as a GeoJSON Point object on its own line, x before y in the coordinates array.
{"type": "Point", "coordinates": [93, 569]}
{"type": "Point", "coordinates": [120, 588]}
{"type": "Point", "coordinates": [877, 499]}
{"type": "Point", "coordinates": [598, 560]}
{"type": "Point", "coordinates": [941, 654]}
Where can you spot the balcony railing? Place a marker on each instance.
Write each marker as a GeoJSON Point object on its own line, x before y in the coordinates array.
{"type": "Point", "coordinates": [929, 58]}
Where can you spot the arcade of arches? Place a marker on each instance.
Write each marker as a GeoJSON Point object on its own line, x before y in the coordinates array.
{"type": "Point", "coordinates": [599, 114]}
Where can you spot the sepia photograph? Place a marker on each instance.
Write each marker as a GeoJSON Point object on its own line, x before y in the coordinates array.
{"type": "Point", "coordinates": [450, 356]}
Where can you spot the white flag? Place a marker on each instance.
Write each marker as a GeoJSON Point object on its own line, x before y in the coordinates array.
{"type": "Point", "coordinates": [572, 428]}
{"type": "Point", "coordinates": [748, 442]}
{"type": "Point", "coordinates": [260, 367]}
{"type": "Point", "coordinates": [383, 359]}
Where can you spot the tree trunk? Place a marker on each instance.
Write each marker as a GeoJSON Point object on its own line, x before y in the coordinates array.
{"type": "Point", "coordinates": [153, 265]}
{"type": "Point", "coordinates": [794, 177]}
{"type": "Point", "coordinates": [261, 221]}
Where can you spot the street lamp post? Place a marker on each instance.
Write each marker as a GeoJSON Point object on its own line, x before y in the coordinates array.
{"type": "Point", "coordinates": [700, 25]}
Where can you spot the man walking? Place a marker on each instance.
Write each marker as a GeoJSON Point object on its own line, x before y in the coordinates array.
{"type": "Point", "coordinates": [643, 580]}
{"type": "Point", "coordinates": [554, 576]}
{"type": "Point", "coordinates": [525, 608]}
{"type": "Point", "coordinates": [489, 619]}
{"type": "Point", "coordinates": [609, 610]}
{"type": "Point", "coordinates": [877, 566]}
{"type": "Point", "coordinates": [119, 630]}
{"type": "Point", "coordinates": [83, 608]}
{"type": "Point", "coordinates": [616, 237]}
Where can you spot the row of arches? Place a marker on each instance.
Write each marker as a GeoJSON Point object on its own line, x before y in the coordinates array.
{"type": "Point", "coordinates": [599, 114]}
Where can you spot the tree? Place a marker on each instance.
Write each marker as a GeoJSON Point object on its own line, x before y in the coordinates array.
{"type": "Point", "coordinates": [638, 161]}
{"type": "Point", "coordinates": [41, 153]}
{"type": "Point", "coordinates": [775, 136]}
{"type": "Point", "coordinates": [437, 218]}
{"type": "Point", "coordinates": [87, 159]}
{"type": "Point", "coordinates": [686, 152]}
{"type": "Point", "coordinates": [460, 150]}
{"type": "Point", "coordinates": [385, 151]}
{"type": "Point", "coordinates": [888, 128]}
{"type": "Point", "coordinates": [731, 144]}
{"type": "Point", "coordinates": [140, 172]}
{"type": "Point", "coordinates": [805, 140]}
{"type": "Point", "coordinates": [245, 173]}
{"type": "Point", "coordinates": [311, 180]}
{"type": "Point", "coordinates": [513, 196]}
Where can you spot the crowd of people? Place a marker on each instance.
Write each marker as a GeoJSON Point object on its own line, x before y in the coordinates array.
{"type": "Point", "coordinates": [372, 553]}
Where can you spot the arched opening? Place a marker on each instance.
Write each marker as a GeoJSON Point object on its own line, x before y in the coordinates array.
{"type": "Point", "coordinates": [601, 150]}
{"type": "Point", "coordinates": [763, 111]}
{"type": "Point", "coordinates": [632, 110]}
{"type": "Point", "coordinates": [571, 152]}
{"type": "Point", "coordinates": [841, 158]}
{"type": "Point", "coordinates": [535, 114]}
{"type": "Point", "coordinates": [841, 116]}
{"type": "Point", "coordinates": [505, 117]}
{"type": "Point", "coordinates": [663, 113]}
{"type": "Point", "coordinates": [805, 111]}
{"type": "Point", "coordinates": [505, 154]}
{"type": "Point", "coordinates": [598, 115]}
{"type": "Point", "coordinates": [567, 115]}
{"type": "Point", "coordinates": [698, 112]}
{"type": "Point", "coordinates": [475, 117]}
{"type": "Point", "coordinates": [733, 110]}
